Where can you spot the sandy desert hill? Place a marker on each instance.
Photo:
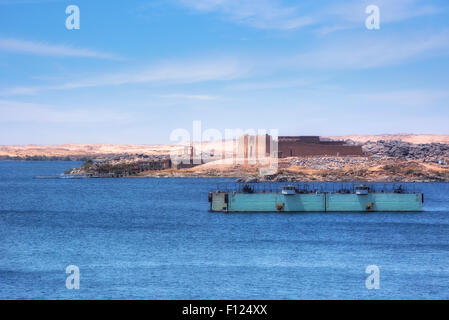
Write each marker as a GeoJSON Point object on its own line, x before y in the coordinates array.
{"type": "Point", "coordinates": [80, 150]}
{"type": "Point", "coordinates": [64, 150]}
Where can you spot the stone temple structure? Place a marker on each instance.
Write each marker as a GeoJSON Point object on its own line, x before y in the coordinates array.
{"type": "Point", "coordinates": [255, 147]}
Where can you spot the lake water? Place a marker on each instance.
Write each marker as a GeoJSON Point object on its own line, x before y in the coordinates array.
{"type": "Point", "coordinates": [156, 239]}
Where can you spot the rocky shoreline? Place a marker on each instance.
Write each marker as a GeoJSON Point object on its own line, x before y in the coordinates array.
{"type": "Point", "coordinates": [388, 161]}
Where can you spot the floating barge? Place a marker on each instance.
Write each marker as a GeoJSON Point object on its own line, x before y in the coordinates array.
{"type": "Point", "coordinates": [290, 198]}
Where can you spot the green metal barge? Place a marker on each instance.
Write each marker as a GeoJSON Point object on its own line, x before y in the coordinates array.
{"type": "Point", "coordinates": [292, 199]}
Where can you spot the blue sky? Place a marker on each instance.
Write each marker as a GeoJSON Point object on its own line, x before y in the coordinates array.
{"type": "Point", "coordinates": [136, 70]}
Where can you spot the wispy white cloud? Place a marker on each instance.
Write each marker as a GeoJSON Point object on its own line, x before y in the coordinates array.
{"type": "Point", "coordinates": [263, 14]}
{"type": "Point", "coordinates": [332, 17]}
{"type": "Point", "coordinates": [390, 10]}
{"type": "Point", "coordinates": [269, 84]}
{"type": "Point", "coordinates": [178, 72]}
{"type": "Point", "coordinates": [409, 97]}
{"type": "Point", "coordinates": [25, 112]}
{"type": "Point", "coordinates": [368, 52]}
{"type": "Point", "coordinates": [182, 96]}
{"type": "Point", "coordinates": [347, 54]}
{"type": "Point", "coordinates": [351, 14]}
{"type": "Point", "coordinates": [333, 28]}
{"type": "Point", "coordinates": [44, 49]}
{"type": "Point", "coordinates": [19, 2]}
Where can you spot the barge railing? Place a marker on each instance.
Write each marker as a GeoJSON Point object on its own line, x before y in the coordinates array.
{"type": "Point", "coordinates": [317, 187]}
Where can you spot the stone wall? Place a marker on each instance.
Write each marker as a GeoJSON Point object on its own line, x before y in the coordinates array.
{"type": "Point", "coordinates": [255, 147]}
{"type": "Point", "coordinates": [300, 149]}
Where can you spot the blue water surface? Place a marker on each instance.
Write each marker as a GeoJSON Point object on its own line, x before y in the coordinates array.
{"type": "Point", "coordinates": [152, 238]}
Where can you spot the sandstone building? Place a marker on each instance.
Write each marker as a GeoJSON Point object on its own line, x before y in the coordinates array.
{"type": "Point", "coordinates": [256, 147]}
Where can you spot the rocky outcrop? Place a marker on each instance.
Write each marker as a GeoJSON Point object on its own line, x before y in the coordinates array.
{"type": "Point", "coordinates": [320, 163]}
{"type": "Point", "coordinates": [121, 165]}
{"type": "Point", "coordinates": [407, 151]}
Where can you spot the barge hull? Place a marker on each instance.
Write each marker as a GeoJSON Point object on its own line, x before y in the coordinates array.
{"type": "Point", "coordinates": [377, 202]}
{"type": "Point", "coordinates": [270, 202]}
{"type": "Point", "coordinates": [315, 202]}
